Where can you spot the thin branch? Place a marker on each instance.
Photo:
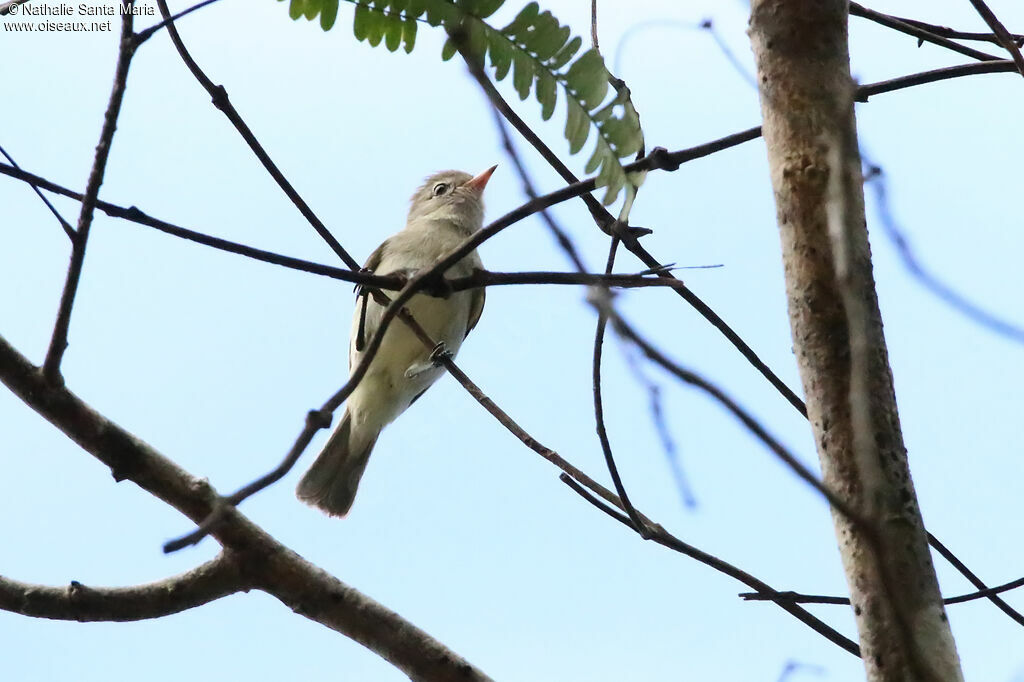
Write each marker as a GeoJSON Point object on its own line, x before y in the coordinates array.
{"type": "Point", "coordinates": [658, 158]}
{"type": "Point", "coordinates": [797, 666]}
{"type": "Point", "coordinates": [626, 331]}
{"type": "Point", "coordinates": [601, 216]}
{"type": "Point", "coordinates": [974, 579]}
{"type": "Point", "coordinates": [934, 76]}
{"type": "Point", "coordinates": [795, 598]}
{"type": "Point", "coordinates": [599, 424]}
{"type": "Point", "coordinates": [217, 578]}
{"type": "Point", "coordinates": [499, 106]}
{"type": "Point", "coordinates": [800, 598]}
{"type": "Point", "coordinates": [1005, 39]}
{"type": "Point", "coordinates": [875, 180]}
{"type": "Point", "coordinates": [561, 237]}
{"type": "Point", "coordinates": [708, 26]}
{"type": "Point", "coordinates": [659, 534]}
{"type": "Point", "coordinates": [947, 32]}
{"type": "Point", "coordinates": [476, 280]}
{"type": "Point", "coordinates": [318, 419]}
{"type": "Point", "coordinates": [59, 339]}
{"type": "Point", "coordinates": [143, 36]}
{"type": "Point", "coordinates": [661, 426]}
{"type": "Point", "coordinates": [919, 32]}
{"type": "Point", "coordinates": [704, 26]}
{"type": "Point", "coordinates": [68, 230]}
{"type": "Point", "coordinates": [270, 566]}
{"type": "Point", "coordinates": [665, 539]}
{"type": "Point", "coordinates": [220, 100]}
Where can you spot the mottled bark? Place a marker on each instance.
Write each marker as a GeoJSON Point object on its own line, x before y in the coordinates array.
{"type": "Point", "coordinates": [807, 99]}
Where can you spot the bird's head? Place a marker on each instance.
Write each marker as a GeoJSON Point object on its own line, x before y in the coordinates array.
{"type": "Point", "coordinates": [452, 195]}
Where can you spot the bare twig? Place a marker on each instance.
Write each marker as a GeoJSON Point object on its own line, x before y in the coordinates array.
{"type": "Point", "coordinates": [560, 235]}
{"type": "Point", "coordinates": [708, 26]}
{"type": "Point", "coordinates": [602, 431]}
{"type": "Point", "coordinates": [800, 598]}
{"type": "Point", "coordinates": [1005, 39]}
{"type": "Point", "coordinates": [318, 419]}
{"type": "Point", "coordinates": [875, 180]}
{"type": "Point", "coordinates": [65, 225]}
{"type": "Point", "coordinates": [934, 76]}
{"type": "Point", "coordinates": [220, 100]}
{"type": "Point", "coordinates": [973, 579]}
{"type": "Point", "coordinates": [704, 26]}
{"type": "Point", "coordinates": [947, 32]}
{"type": "Point", "coordinates": [269, 565]}
{"type": "Point", "coordinates": [658, 158]}
{"type": "Point", "coordinates": [626, 331]}
{"type": "Point", "coordinates": [213, 580]}
{"type": "Point", "coordinates": [919, 32]}
{"type": "Point", "coordinates": [662, 537]}
{"type": "Point", "coordinates": [59, 339]}
{"type": "Point", "coordinates": [478, 279]}
{"type": "Point", "coordinates": [500, 107]}
{"type": "Point", "coordinates": [661, 426]}
{"type": "Point", "coordinates": [797, 666]}
{"type": "Point", "coordinates": [143, 36]}
{"type": "Point", "coordinates": [607, 501]}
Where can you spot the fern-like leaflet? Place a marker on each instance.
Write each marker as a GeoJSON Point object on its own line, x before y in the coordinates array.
{"type": "Point", "coordinates": [535, 48]}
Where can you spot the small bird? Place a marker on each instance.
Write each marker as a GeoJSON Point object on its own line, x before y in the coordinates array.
{"type": "Point", "coordinates": [444, 211]}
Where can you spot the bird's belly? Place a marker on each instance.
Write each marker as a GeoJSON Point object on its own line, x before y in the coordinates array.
{"type": "Point", "coordinates": [386, 391]}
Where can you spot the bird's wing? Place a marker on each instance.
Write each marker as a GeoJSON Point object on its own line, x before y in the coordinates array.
{"type": "Point", "coordinates": [373, 262]}
{"type": "Point", "coordinates": [361, 333]}
{"type": "Point", "coordinates": [476, 307]}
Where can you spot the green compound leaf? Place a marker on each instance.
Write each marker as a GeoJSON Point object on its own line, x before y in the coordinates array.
{"type": "Point", "coordinates": [539, 53]}
{"type": "Point", "coordinates": [328, 14]}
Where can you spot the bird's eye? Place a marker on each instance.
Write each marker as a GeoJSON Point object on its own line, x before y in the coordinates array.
{"type": "Point", "coordinates": [440, 188]}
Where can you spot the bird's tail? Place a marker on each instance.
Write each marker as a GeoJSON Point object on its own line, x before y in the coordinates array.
{"type": "Point", "coordinates": [331, 483]}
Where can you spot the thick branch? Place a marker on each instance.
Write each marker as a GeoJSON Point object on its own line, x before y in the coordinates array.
{"type": "Point", "coordinates": [807, 98]}
{"type": "Point", "coordinates": [272, 567]}
{"type": "Point", "coordinates": [217, 578]}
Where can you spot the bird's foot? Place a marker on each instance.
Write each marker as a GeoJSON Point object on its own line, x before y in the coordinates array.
{"type": "Point", "coordinates": [433, 361]}
{"type": "Point", "coordinates": [440, 354]}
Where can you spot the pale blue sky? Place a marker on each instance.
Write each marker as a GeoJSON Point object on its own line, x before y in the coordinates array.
{"type": "Point", "coordinates": [214, 359]}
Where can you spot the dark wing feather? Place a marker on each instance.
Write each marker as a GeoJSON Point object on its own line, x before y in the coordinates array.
{"type": "Point", "coordinates": [362, 299]}
{"type": "Point", "coordinates": [476, 307]}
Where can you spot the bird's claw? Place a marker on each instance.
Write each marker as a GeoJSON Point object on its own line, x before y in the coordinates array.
{"type": "Point", "coordinates": [436, 358]}
{"type": "Point", "coordinates": [440, 354]}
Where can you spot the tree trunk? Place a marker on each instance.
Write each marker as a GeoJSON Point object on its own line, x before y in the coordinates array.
{"type": "Point", "coordinates": [807, 104]}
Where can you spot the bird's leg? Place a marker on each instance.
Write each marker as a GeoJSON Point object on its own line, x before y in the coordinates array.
{"type": "Point", "coordinates": [433, 361]}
